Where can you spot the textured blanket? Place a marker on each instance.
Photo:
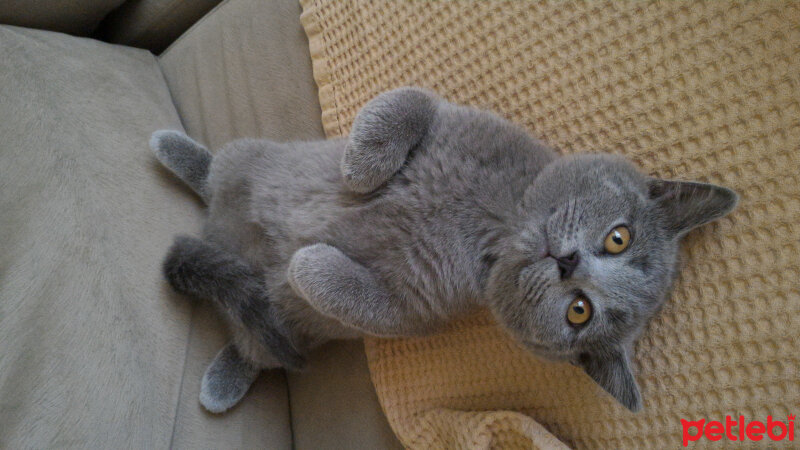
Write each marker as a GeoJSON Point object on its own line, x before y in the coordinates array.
{"type": "Point", "coordinates": [704, 91]}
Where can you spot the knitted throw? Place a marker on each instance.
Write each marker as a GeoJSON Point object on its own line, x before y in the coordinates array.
{"type": "Point", "coordinates": [705, 91]}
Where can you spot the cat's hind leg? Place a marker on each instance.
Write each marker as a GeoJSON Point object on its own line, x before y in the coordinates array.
{"type": "Point", "coordinates": [205, 270]}
{"type": "Point", "coordinates": [226, 380]}
{"type": "Point", "coordinates": [186, 158]}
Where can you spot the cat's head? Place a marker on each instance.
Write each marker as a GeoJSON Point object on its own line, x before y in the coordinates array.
{"type": "Point", "coordinates": [593, 259]}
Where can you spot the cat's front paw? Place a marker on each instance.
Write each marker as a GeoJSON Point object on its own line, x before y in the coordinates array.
{"type": "Point", "coordinates": [304, 267]}
{"type": "Point", "coordinates": [383, 134]}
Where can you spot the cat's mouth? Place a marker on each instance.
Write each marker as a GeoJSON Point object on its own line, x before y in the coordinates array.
{"type": "Point", "coordinates": [537, 278]}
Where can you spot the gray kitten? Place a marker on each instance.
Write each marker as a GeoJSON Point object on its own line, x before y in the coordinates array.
{"type": "Point", "coordinates": [427, 211]}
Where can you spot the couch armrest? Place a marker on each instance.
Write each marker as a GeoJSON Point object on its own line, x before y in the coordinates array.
{"type": "Point", "coordinates": [152, 24]}
{"type": "Point", "coordinates": [78, 17]}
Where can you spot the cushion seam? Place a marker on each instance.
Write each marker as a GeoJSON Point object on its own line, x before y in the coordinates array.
{"type": "Point", "coordinates": [195, 25]}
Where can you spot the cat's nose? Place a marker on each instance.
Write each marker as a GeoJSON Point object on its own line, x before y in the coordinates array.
{"type": "Point", "coordinates": [567, 264]}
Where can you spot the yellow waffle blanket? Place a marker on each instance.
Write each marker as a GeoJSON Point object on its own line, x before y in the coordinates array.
{"type": "Point", "coordinates": [705, 91]}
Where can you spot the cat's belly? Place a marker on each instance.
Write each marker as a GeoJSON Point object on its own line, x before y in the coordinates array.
{"type": "Point", "coordinates": [269, 200]}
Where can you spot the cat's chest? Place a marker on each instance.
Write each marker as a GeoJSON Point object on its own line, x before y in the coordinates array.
{"type": "Point", "coordinates": [422, 252]}
{"type": "Point", "coordinates": [441, 270]}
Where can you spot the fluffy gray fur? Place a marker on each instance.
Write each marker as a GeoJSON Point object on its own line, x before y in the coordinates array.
{"type": "Point", "coordinates": [186, 158]}
{"type": "Point", "coordinates": [427, 211]}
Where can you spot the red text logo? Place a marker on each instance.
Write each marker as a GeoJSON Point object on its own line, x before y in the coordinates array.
{"type": "Point", "coordinates": [737, 430]}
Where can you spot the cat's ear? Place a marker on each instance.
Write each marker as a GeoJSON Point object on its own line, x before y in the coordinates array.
{"type": "Point", "coordinates": [686, 204]}
{"type": "Point", "coordinates": [612, 371]}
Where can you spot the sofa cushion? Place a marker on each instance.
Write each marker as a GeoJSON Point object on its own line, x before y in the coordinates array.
{"type": "Point", "coordinates": [92, 341]}
{"type": "Point", "coordinates": [77, 17]}
{"type": "Point", "coordinates": [245, 70]}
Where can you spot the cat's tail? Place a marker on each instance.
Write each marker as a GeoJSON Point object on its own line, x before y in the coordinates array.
{"type": "Point", "coordinates": [203, 269]}
{"type": "Point", "coordinates": [186, 158]}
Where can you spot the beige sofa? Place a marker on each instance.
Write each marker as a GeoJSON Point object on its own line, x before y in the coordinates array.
{"type": "Point", "coordinates": [95, 350]}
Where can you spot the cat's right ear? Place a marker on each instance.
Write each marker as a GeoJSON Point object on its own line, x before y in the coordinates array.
{"type": "Point", "coordinates": [612, 371]}
{"type": "Point", "coordinates": [686, 205]}
{"type": "Point", "coordinates": [383, 134]}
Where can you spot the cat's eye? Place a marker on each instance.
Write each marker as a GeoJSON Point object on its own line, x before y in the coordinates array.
{"type": "Point", "coordinates": [580, 311]}
{"type": "Point", "coordinates": [618, 240]}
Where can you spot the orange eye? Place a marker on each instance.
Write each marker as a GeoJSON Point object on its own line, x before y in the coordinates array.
{"type": "Point", "coordinates": [618, 240]}
{"type": "Point", "coordinates": [580, 311]}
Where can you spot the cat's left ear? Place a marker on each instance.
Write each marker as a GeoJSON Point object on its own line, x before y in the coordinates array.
{"type": "Point", "coordinates": [612, 371]}
{"type": "Point", "coordinates": [686, 205]}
